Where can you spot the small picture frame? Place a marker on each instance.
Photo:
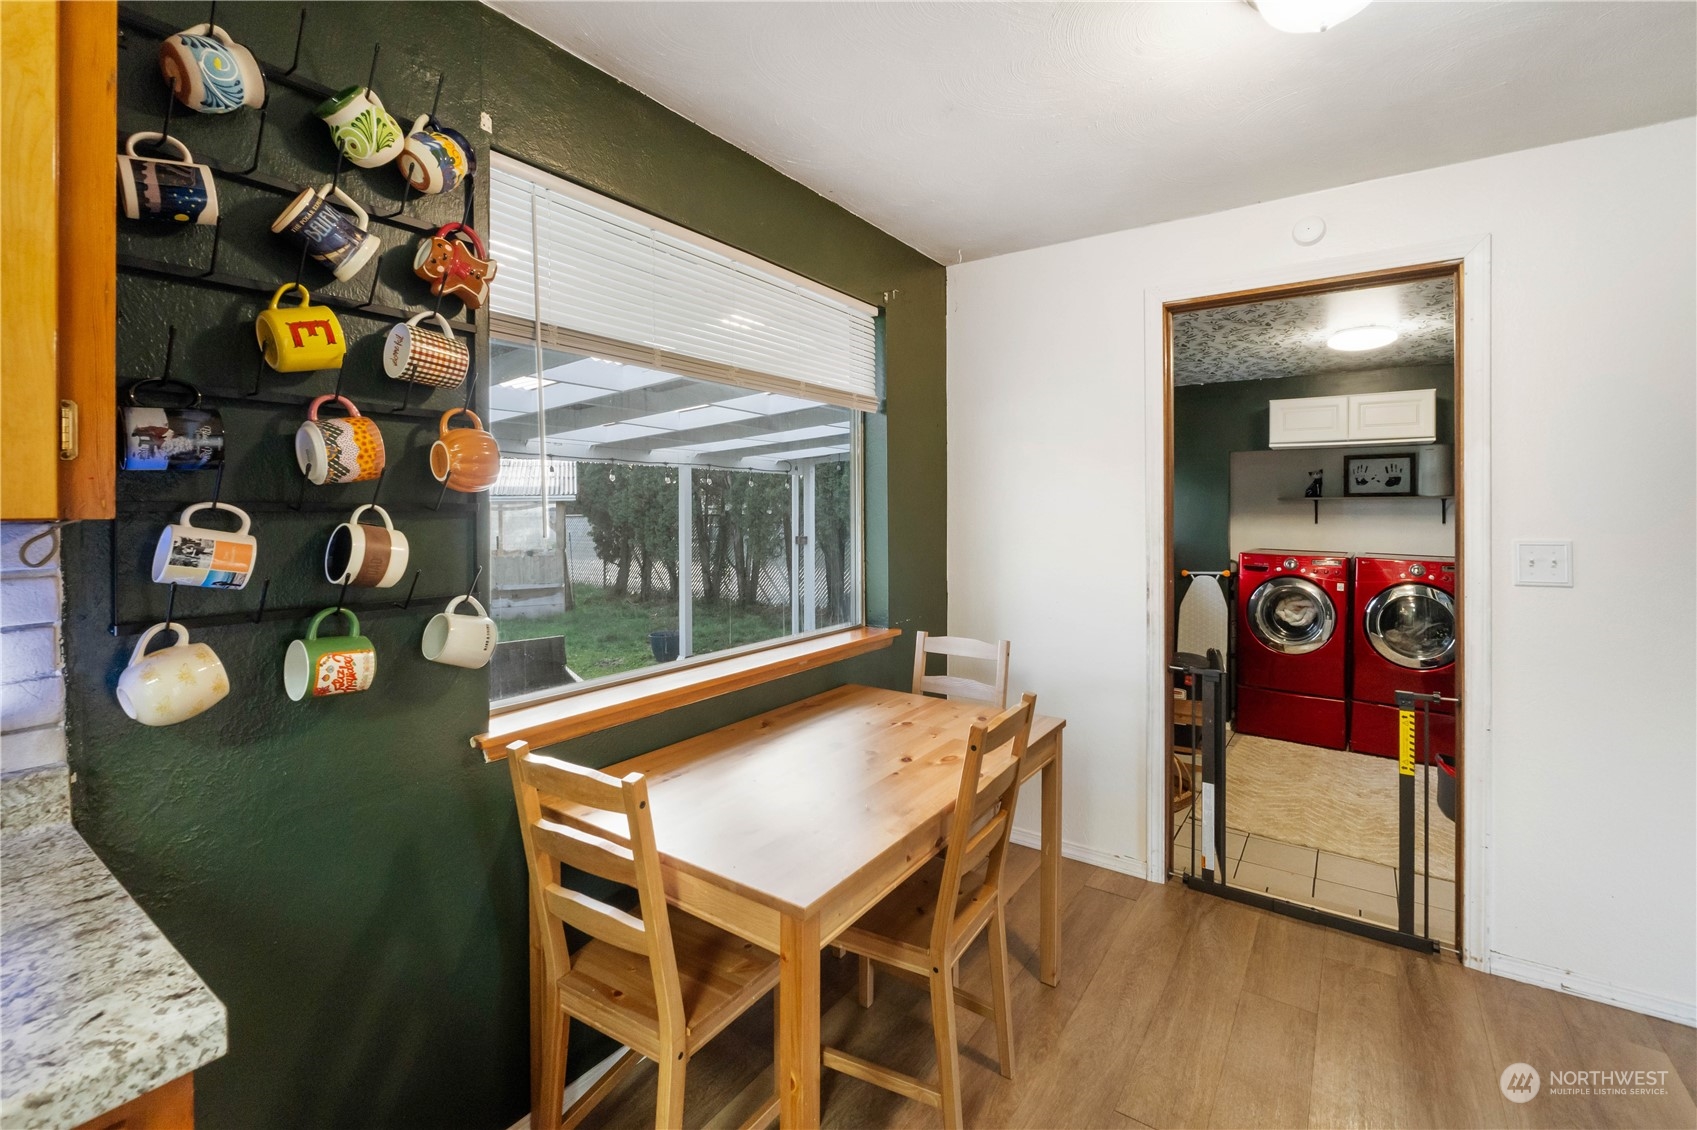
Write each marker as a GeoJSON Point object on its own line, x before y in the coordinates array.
{"type": "Point", "coordinates": [1379, 474]}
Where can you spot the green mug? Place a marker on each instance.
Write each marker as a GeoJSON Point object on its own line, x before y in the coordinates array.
{"type": "Point", "coordinates": [366, 133]}
{"type": "Point", "coordinates": [326, 665]}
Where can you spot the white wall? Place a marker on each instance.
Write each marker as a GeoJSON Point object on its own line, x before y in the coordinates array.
{"type": "Point", "coordinates": [1593, 750]}
{"type": "Point", "coordinates": [1263, 517]}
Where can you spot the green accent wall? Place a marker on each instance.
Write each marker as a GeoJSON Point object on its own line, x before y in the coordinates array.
{"type": "Point", "coordinates": [1211, 421]}
{"type": "Point", "coordinates": [345, 874]}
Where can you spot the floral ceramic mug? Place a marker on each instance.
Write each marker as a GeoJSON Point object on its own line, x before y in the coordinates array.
{"type": "Point", "coordinates": [174, 684]}
{"type": "Point", "coordinates": [366, 133]}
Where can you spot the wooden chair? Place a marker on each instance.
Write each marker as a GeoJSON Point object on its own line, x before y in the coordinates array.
{"type": "Point", "coordinates": [663, 984]}
{"type": "Point", "coordinates": [953, 686]}
{"type": "Point", "coordinates": [922, 928]}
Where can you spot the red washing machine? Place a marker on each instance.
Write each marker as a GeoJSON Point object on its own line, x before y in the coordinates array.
{"type": "Point", "coordinates": [1404, 641]}
{"type": "Point", "coordinates": [1293, 646]}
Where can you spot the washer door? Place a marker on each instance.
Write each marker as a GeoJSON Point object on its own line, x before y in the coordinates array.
{"type": "Point", "coordinates": [1291, 615]}
{"type": "Point", "coordinates": [1413, 626]}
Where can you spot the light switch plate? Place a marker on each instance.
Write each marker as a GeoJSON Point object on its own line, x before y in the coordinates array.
{"type": "Point", "coordinates": [1547, 563]}
{"type": "Point", "coordinates": [488, 123]}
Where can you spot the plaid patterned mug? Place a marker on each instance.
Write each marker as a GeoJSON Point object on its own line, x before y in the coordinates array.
{"type": "Point", "coordinates": [413, 353]}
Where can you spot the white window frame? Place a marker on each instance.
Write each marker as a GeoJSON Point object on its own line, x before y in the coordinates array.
{"type": "Point", "coordinates": [856, 558]}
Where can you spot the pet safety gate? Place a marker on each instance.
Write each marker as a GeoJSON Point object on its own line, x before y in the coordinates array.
{"type": "Point", "coordinates": [1202, 858]}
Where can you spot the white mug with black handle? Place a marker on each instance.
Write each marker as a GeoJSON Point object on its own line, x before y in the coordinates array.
{"type": "Point", "coordinates": [458, 639]}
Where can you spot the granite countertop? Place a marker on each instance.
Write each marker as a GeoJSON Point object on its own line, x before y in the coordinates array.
{"type": "Point", "coordinates": [96, 1007]}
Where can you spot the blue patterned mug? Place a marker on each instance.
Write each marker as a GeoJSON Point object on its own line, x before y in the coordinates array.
{"type": "Point", "coordinates": [435, 158]}
{"type": "Point", "coordinates": [210, 72]}
{"type": "Point", "coordinates": [366, 133]}
{"type": "Point", "coordinates": [339, 241]}
{"type": "Point", "coordinates": [165, 188]}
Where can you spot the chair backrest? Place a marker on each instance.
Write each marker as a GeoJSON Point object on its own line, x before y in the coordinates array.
{"type": "Point", "coordinates": [954, 686]}
{"type": "Point", "coordinates": [554, 798]}
{"type": "Point", "coordinates": [983, 816]}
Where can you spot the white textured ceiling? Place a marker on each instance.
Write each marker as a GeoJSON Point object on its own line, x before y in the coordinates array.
{"type": "Point", "coordinates": [968, 130]}
{"type": "Point", "coordinates": [1257, 341]}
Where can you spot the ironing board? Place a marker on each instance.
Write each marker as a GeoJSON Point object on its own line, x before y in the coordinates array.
{"type": "Point", "coordinates": [1204, 617]}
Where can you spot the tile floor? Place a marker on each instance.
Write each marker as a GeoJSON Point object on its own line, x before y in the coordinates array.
{"type": "Point", "coordinates": [1333, 882]}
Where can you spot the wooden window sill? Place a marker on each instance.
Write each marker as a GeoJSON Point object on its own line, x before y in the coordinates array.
{"type": "Point", "coordinates": [572, 716]}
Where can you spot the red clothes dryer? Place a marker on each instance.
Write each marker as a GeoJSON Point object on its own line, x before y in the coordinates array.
{"type": "Point", "coordinates": [1293, 646]}
{"type": "Point", "coordinates": [1404, 640]}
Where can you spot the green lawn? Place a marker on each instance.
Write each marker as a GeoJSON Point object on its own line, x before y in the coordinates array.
{"type": "Point", "coordinates": [607, 634]}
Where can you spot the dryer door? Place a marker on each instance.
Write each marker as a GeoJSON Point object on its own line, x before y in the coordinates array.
{"type": "Point", "coordinates": [1291, 615]}
{"type": "Point", "coordinates": [1413, 626]}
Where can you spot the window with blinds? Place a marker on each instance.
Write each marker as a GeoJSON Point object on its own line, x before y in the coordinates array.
{"type": "Point", "coordinates": [680, 435]}
{"type": "Point", "coordinates": [609, 281]}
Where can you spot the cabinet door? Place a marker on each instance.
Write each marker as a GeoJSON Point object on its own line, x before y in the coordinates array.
{"type": "Point", "coordinates": [1310, 421]}
{"type": "Point", "coordinates": [58, 115]}
{"type": "Point", "coordinates": [1410, 416]}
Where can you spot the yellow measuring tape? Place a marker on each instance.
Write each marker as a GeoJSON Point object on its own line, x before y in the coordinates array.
{"type": "Point", "coordinates": [1405, 742]}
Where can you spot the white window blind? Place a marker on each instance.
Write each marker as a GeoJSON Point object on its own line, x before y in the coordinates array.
{"type": "Point", "coordinates": [614, 282]}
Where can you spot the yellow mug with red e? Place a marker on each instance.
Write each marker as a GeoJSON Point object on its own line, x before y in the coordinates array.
{"type": "Point", "coordinates": [301, 338]}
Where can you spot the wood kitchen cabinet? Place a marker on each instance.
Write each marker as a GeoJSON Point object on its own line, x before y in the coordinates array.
{"type": "Point", "coordinates": [170, 1107]}
{"type": "Point", "coordinates": [58, 228]}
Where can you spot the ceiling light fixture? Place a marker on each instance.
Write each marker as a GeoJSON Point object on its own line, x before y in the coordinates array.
{"type": "Point", "coordinates": [1359, 338]}
{"type": "Point", "coordinates": [1301, 16]}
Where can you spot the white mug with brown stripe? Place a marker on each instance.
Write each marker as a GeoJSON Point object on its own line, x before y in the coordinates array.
{"type": "Point", "coordinates": [413, 353]}
{"type": "Point", "coordinates": [366, 556]}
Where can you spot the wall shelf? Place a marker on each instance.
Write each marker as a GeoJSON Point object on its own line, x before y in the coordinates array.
{"type": "Point", "coordinates": [1443, 501]}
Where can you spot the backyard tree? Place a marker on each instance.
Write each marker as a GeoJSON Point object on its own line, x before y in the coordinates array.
{"type": "Point", "coordinates": [833, 527]}
{"type": "Point", "coordinates": [759, 507]}
{"type": "Point", "coordinates": [633, 520]}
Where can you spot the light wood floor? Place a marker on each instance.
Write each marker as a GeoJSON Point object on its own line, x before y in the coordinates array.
{"type": "Point", "coordinates": [1179, 1009]}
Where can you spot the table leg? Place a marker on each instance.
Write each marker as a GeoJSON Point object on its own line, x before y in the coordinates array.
{"type": "Point", "coordinates": [1049, 871]}
{"type": "Point", "coordinates": [798, 1023]}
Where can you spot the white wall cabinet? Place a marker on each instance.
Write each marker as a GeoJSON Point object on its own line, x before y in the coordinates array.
{"type": "Point", "coordinates": [1324, 421]}
{"type": "Point", "coordinates": [1308, 422]}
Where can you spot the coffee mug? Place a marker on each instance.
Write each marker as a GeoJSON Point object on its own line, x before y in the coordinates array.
{"type": "Point", "coordinates": [467, 459]}
{"type": "Point", "coordinates": [460, 640]}
{"type": "Point", "coordinates": [326, 665]}
{"type": "Point", "coordinates": [455, 264]}
{"type": "Point", "coordinates": [163, 188]}
{"type": "Point", "coordinates": [185, 437]}
{"type": "Point", "coordinates": [333, 238]}
{"type": "Point", "coordinates": [345, 449]}
{"type": "Point", "coordinates": [371, 557]}
{"type": "Point", "coordinates": [423, 356]}
{"type": "Point", "coordinates": [193, 555]}
{"type": "Point", "coordinates": [302, 338]}
{"type": "Point", "coordinates": [366, 133]}
{"type": "Point", "coordinates": [174, 684]}
{"type": "Point", "coordinates": [435, 158]}
{"type": "Point", "coordinates": [210, 72]}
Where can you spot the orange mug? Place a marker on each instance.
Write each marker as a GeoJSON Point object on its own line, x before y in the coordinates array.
{"type": "Point", "coordinates": [467, 459]}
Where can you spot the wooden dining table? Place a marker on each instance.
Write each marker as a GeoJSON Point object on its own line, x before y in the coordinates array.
{"type": "Point", "coordinates": [785, 828]}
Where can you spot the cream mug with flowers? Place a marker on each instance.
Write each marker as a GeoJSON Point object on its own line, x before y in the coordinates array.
{"type": "Point", "coordinates": [174, 684]}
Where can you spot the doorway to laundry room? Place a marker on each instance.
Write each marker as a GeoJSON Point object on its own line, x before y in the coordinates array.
{"type": "Point", "coordinates": [1315, 600]}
